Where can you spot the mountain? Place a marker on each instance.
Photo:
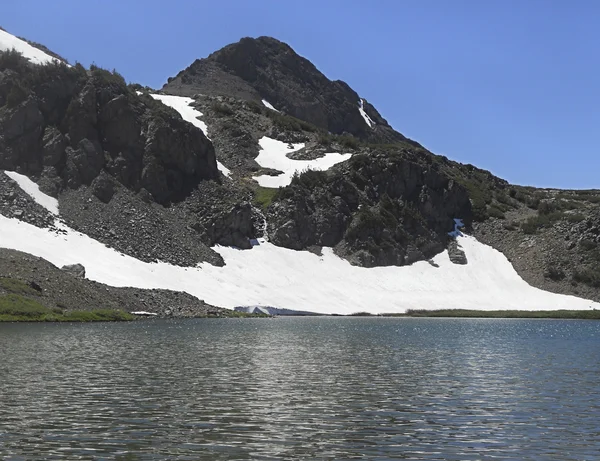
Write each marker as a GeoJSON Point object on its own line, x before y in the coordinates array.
{"type": "Point", "coordinates": [251, 180]}
{"type": "Point", "coordinates": [265, 69]}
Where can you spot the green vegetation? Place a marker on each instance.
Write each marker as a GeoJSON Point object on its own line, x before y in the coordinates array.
{"type": "Point", "coordinates": [107, 78]}
{"type": "Point", "coordinates": [588, 276]}
{"type": "Point", "coordinates": [289, 123]}
{"type": "Point", "coordinates": [221, 109]}
{"type": "Point", "coordinates": [263, 196]}
{"type": "Point", "coordinates": [309, 179]}
{"type": "Point", "coordinates": [462, 313]}
{"type": "Point", "coordinates": [17, 308]}
{"type": "Point", "coordinates": [533, 224]}
{"type": "Point", "coordinates": [17, 287]}
{"type": "Point", "coordinates": [495, 212]}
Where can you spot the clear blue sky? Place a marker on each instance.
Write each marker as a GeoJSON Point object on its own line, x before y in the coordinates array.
{"type": "Point", "coordinates": [512, 86]}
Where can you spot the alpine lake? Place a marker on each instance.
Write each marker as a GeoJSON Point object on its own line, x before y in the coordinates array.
{"type": "Point", "coordinates": [301, 388]}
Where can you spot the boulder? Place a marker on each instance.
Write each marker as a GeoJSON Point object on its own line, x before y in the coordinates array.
{"type": "Point", "coordinates": [76, 270]}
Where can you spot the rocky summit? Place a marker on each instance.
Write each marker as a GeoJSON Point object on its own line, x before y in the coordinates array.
{"type": "Point", "coordinates": [253, 143]}
{"type": "Point", "coordinates": [256, 69]}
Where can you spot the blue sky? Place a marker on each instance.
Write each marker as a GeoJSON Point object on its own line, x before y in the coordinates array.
{"type": "Point", "coordinates": [512, 86]}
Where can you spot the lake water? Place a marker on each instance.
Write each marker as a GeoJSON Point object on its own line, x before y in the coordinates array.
{"type": "Point", "coordinates": [300, 388]}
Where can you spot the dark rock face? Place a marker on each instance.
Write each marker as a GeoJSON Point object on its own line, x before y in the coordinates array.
{"type": "Point", "coordinates": [75, 125]}
{"type": "Point", "coordinates": [265, 68]}
{"type": "Point", "coordinates": [376, 210]}
{"type": "Point", "coordinates": [456, 254]}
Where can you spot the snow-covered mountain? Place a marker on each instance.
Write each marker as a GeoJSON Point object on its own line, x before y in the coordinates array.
{"type": "Point", "coordinates": [253, 197]}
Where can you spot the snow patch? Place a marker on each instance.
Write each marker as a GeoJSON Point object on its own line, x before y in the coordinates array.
{"type": "Point", "coordinates": [272, 278]}
{"type": "Point", "coordinates": [143, 313]}
{"type": "Point", "coordinates": [268, 275]}
{"type": "Point", "coordinates": [361, 109]}
{"type": "Point", "coordinates": [183, 105]}
{"type": "Point", "coordinates": [269, 105]}
{"type": "Point", "coordinates": [35, 55]}
{"type": "Point", "coordinates": [33, 190]}
{"type": "Point", "coordinates": [273, 154]}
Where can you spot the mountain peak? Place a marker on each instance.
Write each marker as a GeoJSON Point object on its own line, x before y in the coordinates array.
{"type": "Point", "coordinates": [265, 68]}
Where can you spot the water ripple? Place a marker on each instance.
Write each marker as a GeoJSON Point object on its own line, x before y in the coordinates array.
{"type": "Point", "coordinates": [326, 388]}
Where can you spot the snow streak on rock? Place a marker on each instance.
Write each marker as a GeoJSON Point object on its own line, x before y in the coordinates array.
{"type": "Point", "coordinates": [269, 105]}
{"type": "Point", "coordinates": [33, 190]}
{"type": "Point", "coordinates": [361, 109]}
{"type": "Point", "coordinates": [189, 114]}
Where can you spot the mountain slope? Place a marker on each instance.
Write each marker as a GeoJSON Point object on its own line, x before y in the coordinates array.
{"type": "Point", "coordinates": [167, 190]}
{"type": "Point", "coordinates": [267, 69]}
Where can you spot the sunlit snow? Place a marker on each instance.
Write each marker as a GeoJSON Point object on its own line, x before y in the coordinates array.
{"type": "Point", "coordinates": [268, 275]}
{"type": "Point", "coordinates": [269, 105]}
{"type": "Point", "coordinates": [361, 109]}
{"type": "Point", "coordinates": [273, 155]}
{"type": "Point", "coordinates": [33, 190]}
{"type": "Point", "coordinates": [298, 280]}
{"type": "Point", "coordinates": [36, 56]}
{"type": "Point", "coordinates": [183, 105]}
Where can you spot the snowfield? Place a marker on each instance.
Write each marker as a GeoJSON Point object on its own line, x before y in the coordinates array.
{"type": "Point", "coordinates": [268, 275]}
{"type": "Point", "coordinates": [36, 56]}
{"type": "Point", "coordinates": [189, 114]}
{"type": "Point", "coordinates": [361, 109]}
{"type": "Point", "coordinates": [273, 154]}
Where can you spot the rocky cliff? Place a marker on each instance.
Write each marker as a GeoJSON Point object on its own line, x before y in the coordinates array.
{"type": "Point", "coordinates": [86, 127]}
{"type": "Point", "coordinates": [265, 68]}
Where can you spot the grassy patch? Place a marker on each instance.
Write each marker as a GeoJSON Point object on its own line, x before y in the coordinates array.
{"type": "Point", "coordinates": [17, 308]}
{"type": "Point", "coordinates": [17, 287]}
{"type": "Point", "coordinates": [263, 196]}
{"type": "Point", "coordinates": [533, 224]}
{"type": "Point", "coordinates": [508, 314]}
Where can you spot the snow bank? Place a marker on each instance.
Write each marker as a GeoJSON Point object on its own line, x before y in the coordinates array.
{"type": "Point", "coordinates": [276, 277]}
{"type": "Point", "coordinates": [273, 154]}
{"type": "Point", "coordinates": [189, 114]}
{"type": "Point", "coordinates": [33, 190]}
{"type": "Point", "coordinates": [361, 109]}
{"type": "Point", "coordinates": [268, 275]}
{"type": "Point", "coordinates": [269, 105]}
{"type": "Point", "coordinates": [9, 42]}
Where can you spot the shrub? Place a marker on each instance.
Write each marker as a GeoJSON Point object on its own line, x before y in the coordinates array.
{"type": "Point", "coordinates": [325, 139]}
{"type": "Point", "coordinates": [534, 223]}
{"type": "Point", "coordinates": [575, 218]}
{"type": "Point", "coordinates": [496, 212]}
{"type": "Point", "coordinates": [554, 273]}
{"type": "Point", "coordinates": [104, 77]}
{"type": "Point", "coordinates": [588, 275]}
{"type": "Point", "coordinates": [587, 244]}
{"type": "Point", "coordinates": [17, 286]}
{"type": "Point", "coordinates": [349, 142]}
{"type": "Point", "coordinates": [310, 179]}
{"type": "Point", "coordinates": [221, 109]}
{"type": "Point", "coordinates": [255, 107]}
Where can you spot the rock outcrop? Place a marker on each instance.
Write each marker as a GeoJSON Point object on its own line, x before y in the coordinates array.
{"type": "Point", "coordinates": [265, 68]}
{"type": "Point", "coordinates": [377, 209]}
{"type": "Point", "coordinates": [90, 128]}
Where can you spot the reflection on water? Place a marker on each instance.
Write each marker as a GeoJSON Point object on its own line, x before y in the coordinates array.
{"type": "Point", "coordinates": [289, 388]}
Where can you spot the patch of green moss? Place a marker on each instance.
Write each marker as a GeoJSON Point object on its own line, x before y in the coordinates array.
{"type": "Point", "coordinates": [559, 314]}
{"type": "Point", "coordinates": [17, 308]}
{"type": "Point", "coordinates": [263, 196]}
{"type": "Point", "coordinates": [17, 286]}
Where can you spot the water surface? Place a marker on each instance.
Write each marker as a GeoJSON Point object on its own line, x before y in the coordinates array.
{"type": "Point", "coordinates": [299, 388]}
